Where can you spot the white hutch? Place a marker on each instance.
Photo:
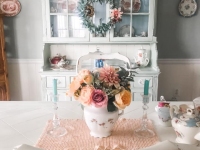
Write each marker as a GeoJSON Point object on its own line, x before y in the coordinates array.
{"type": "Point", "coordinates": [64, 34]}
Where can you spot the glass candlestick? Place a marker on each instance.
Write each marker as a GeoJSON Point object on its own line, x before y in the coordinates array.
{"type": "Point", "coordinates": [57, 130]}
{"type": "Point", "coordinates": [143, 131]}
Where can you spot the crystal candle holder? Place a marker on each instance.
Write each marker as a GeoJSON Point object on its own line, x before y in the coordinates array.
{"type": "Point", "coordinates": [143, 130]}
{"type": "Point", "coordinates": [57, 130]}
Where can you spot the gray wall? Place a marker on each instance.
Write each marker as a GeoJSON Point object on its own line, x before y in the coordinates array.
{"type": "Point", "coordinates": [24, 32]}
{"type": "Point", "coordinates": [178, 37]}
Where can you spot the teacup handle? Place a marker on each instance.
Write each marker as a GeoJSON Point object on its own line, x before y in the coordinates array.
{"type": "Point", "coordinates": [146, 61]}
{"type": "Point", "coordinates": [173, 109]}
{"type": "Point", "coordinates": [145, 54]}
{"type": "Point", "coordinates": [121, 113]}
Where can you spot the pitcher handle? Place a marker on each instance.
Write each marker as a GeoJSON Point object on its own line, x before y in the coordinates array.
{"type": "Point", "coordinates": [120, 113]}
{"type": "Point", "coordinates": [173, 109]}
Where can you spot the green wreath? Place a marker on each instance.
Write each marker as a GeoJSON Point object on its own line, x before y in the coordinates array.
{"type": "Point", "coordinates": [86, 11]}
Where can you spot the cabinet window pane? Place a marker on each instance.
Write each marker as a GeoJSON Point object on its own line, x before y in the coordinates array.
{"type": "Point", "coordinates": [75, 27]}
{"type": "Point", "coordinates": [122, 28]}
{"type": "Point", "coordinates": [140, 24]}
{"type": "Point", "coordinates": [99, 14]}
{"type": "Point", "coordinates": [59, 26]}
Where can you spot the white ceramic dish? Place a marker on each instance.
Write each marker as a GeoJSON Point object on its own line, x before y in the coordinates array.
{"type": "Point", "coordinates": [126, 5]}
{"type": "Point", "coordinates": [10, 7]}
{"type": "Point", "coordinates": [124, 31]}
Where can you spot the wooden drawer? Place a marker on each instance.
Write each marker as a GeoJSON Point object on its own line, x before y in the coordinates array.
{"type": "Point", "coordinates": [61, 81]}
{"type": "Point", "coordinates": [139, 82]}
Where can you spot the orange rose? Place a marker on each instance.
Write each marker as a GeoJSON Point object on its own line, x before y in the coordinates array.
{"type": "Point", "coordinates": [75, 84]}
{"type": "Point", "coordinates": [85, 95]}
{"type": "Point", "coordinates": [86, 76]}
{"type": "Point", "coordinates": [122, 99]}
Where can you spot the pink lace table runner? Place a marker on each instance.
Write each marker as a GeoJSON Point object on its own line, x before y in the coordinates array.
{"type": "Point", "coordinates": [78, 137]}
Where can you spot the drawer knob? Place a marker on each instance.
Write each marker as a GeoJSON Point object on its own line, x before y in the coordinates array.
{"type": "Point", "coordinates": [58, 82]}
{"type": "Point", "coordinates": [141, 81]}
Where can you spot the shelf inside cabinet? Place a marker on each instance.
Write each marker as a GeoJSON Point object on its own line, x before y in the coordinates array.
{"type": "Point", "coordinates": [136, 14]}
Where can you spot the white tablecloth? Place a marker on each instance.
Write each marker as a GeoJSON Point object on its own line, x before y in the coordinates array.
{"type": "Point", "coordinates": [22, 122]}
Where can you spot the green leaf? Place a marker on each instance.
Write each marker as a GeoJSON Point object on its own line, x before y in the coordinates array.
{"type": "Point", "coordinates": [111, 107]}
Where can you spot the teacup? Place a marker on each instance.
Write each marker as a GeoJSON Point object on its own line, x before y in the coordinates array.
{"type": "Point", "coordinates": [164, 114]}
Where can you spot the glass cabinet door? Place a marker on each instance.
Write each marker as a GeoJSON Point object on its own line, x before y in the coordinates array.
{"type": "Point", "coordinates": [137, 21]}
{"type": "Point", "coordinates": [63, 22]}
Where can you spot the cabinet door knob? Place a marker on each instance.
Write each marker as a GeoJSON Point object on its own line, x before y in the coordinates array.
{"type": "Point", "coordinates": [58, 82]}
{"type": "Point", "coordinates": [141, 81]}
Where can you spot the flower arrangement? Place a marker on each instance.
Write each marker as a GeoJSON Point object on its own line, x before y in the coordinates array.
{"type": "Point", "coordinates": [104, 87]}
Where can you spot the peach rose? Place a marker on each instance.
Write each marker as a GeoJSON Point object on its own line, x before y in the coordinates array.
{"type": "Point", "coordinates": [75, 84]}
{"type": "Point", "coordinates": [85, 95]}
{"type": "Point", "coordinates": [86, 76]}
{"type": "Point", "coordinates": [122, 99]}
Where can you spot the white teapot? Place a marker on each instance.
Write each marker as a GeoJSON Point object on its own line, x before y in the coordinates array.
{"type": "Point", "coordinates": [142, 57]}
{"type": "Point", "coordinates": [185, 123]}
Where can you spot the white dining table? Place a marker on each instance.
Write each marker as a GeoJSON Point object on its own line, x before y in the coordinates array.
{"type": "Point", "coordinates": [22, 122]}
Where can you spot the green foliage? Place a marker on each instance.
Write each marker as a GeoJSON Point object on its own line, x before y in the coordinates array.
{"type": "Point", "coordinates": [87, 21]}
{"type": "Point", "coordinates": [111, 107]}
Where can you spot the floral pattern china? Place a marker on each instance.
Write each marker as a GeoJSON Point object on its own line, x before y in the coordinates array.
{"type": "Point", "coordinates": [126, 5]}
{"type": "Point", "coordinates": [187, 8]}
{"type": "Point", "coordinates": [185, 123]}
{"type": "Point", "coordinates": [10, 7]}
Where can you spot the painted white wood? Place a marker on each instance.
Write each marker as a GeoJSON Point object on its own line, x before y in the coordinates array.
{"type": "Point", "coordinates": [176, 76]}
{"type": "Point", "coordinates": [195, 88]}
{"type": "Point", "coordinates": [172, 76]}
{"type": "Point", "coordinates": [24, 80]}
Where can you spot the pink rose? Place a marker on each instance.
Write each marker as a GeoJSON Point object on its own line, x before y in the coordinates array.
{"type": "Point", "coordinates": [75, 84]}
{"type": "Point", "coordinates": [99, 98]}
{"type": "Point", "coordinates": [85, 95]}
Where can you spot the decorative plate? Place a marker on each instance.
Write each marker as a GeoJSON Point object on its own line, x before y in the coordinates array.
{"type": "Point", "coordinates": [124, 31]}
{"type": "Point", "coordinates": [10, 7]}
{"type": "Point", "coordinates": [187, 8]}
{"type": "Point", "coordinates": [126, 5]}
{"type": "Point", "coordinates": [72, 5]}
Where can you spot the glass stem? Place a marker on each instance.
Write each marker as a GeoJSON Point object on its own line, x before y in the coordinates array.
{"type": "Point", "coordinates": [144, 117]}
{"type": "Point", "coordinates": [56, 121]}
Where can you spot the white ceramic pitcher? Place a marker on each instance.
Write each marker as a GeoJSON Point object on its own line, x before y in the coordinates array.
{"type": "Point", "coordinates": [142, 57]}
